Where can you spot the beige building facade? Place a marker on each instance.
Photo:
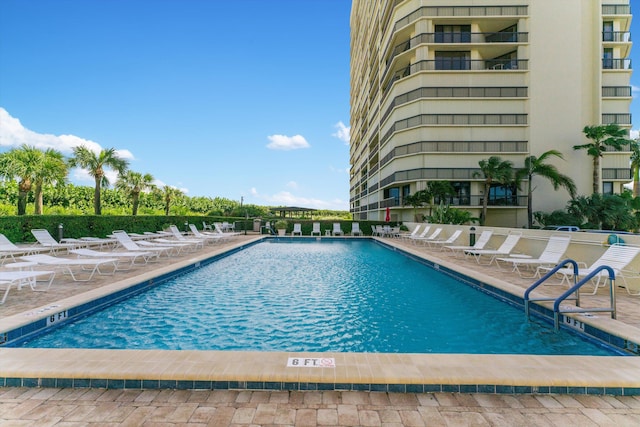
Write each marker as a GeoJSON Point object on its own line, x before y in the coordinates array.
{"type": "Point", "coordinates": [439, 85]}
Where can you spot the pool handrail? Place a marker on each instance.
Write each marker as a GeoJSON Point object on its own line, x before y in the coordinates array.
{"type": "Point", "coordinates": [542, 279]}
{"type": "Point", "coordinates": [612, 296]}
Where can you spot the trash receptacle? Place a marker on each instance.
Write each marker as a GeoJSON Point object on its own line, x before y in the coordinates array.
{"type": "Point", "coordinates": [257, 224]}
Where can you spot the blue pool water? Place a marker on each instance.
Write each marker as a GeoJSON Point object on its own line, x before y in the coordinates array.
{"type": "Point", "coordinates": [346, 296]}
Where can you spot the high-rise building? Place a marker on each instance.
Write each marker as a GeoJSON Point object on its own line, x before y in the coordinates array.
{"type": "Point", "coordinates": [439, 85]}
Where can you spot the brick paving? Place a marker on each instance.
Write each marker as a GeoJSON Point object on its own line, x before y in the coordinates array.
{"type": "Point", "coordinates": [99, 407]}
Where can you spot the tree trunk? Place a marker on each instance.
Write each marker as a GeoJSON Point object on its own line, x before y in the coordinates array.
{"type": "Point", "coordinates": [596, 174]}
{"type": "Point", "coordinates": [636, 178]}
{"type": "Point", "coordinates": [37, 203]}
{"type": "Point", "coordinates": [136, 201]}
{"type": "Point", "coordinates": [530, 206]}
{"type": "Point", "coordinates": [485, 203]}
{"type": "Point", "coordinates": [24, 187]}
{"type": "Point", "coordinates": [97, 208]}
{"type": "Point", "coordinates": [22, 202]}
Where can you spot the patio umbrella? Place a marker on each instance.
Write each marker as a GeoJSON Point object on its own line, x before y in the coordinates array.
{"type": "Point", "coordinates": [387, 217]}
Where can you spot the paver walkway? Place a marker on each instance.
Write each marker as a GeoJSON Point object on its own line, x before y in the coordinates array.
{"type": "Point", "coordinates": [93, 407]}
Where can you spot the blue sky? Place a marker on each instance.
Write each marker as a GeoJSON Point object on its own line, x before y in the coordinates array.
{"type": "Point", "coordinates": [243, 98]}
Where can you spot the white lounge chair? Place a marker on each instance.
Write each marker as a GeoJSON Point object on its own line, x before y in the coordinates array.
{"type": "Point", "coordinates": [552, 254]}
{"type": "Point", "coordinates": [8, 249]}
{"type": "Point", "coordinates": [196, 242]}
{"type": "Point", "coordinates": [131, 257]}
{"type": "Point", "coordinates": [337, 230]}
{"type": "Point", "coordinates": [441, 242]}
{"type": "Point", "coordinates": [422, 234]}
{"type": "Point", "coordinates": [209, 237]}
{"type": "Point", "coordinates": [505, 249]}
{"type": "Point", "coordinates": [431, 236]}
{"type": "Point", "coordinates": [618, 257]}
{"type": "Point", "coordinates": [67, 265]}
{"type": "Point", "coordinates": [355, 229]}
{"type": "Point", "coordinates": [178, 247]}
{"type": "Point", "coordinates": [316, 229]}
{"type": "Point", "coordinates": [125, 240]}
{"type": "Point", "coordinates": [297, 229]}
{"type": "Point", "coordinates": [414, 232]}
{"type": "Point", "coordinates": [219, 229]}
{"type": "Point", "coordinates": [45, 240]}
{"type": "Point", "coordinates": [206, 227]}
{"type": "Point", "coordinates": [9, 279]}
{"type": "Point", "coordinates": [482, 241]}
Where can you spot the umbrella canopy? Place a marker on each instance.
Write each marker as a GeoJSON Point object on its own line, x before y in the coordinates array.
{"type": "Point", "coordinates": [387, 217]}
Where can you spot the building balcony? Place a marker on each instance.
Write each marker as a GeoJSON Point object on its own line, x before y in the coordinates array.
{"type": "Point", "coordinates": [616, 36]}
{"type": "Point", "coordinates": [616, 9]}
{"type": "Point", "coordinates": [461, 37]}
{"type": "Point", "coordinates": [616, 64]}
{"type": "Point", "coordinates": [456, 64]}
{"type": "Point", "coordinates": [623, 119]}
{"type": "Point", "coordinates": [616, 91]}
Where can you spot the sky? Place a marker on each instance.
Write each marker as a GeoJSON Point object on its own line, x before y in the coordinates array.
{"type": "Point", "coordinates": [244, 99]}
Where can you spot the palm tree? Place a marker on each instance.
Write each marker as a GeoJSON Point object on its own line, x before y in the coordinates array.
{"type": "Point", "coordinates": [494, 170]}
{"type": "Point", "coordinates": [22, 164]}
{"type": "Point", "coordinates": [536, 166]}
{"type": "Point", "coordinates": [602, 136]}
{"type": "Point", "coordinates": [439, 190]}
{"type": "Point", "coordinates": [133, 183]}
{"type": "Point", "coordinates": [53, 169]}
{"type": "Point", "coordinates": [416, 200]}
{"type": "Point", "coordinates": [169, 193]}
{"type": "Point", "coordinates": [95, 164]}
{"type": "Point", "coordinates": [635, 166]}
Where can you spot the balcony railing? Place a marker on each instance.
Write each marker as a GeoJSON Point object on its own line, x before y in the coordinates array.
{"type": "Point", "coordinates": [461, 37]}
{"type": "Point", "coordinates": [616, 64]}
{"type": "Point", "coordinates": [616, 91]}
{"type": "Point", "coordinates": [616, 9]}
{"type": "Point", "coordinates": [459, 64]}
{"type": "Point", "coordinates": [473, 200]}
{"type": "Point", "coordinates": [456, 11]}
{"type": "Point", "coordinates": [618, 118]}
{"type": "Point", "coordinates": [616, 36]}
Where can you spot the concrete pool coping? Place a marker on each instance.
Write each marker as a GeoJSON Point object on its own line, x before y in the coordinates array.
{"type": "Point", "coordinates": [137, 369]}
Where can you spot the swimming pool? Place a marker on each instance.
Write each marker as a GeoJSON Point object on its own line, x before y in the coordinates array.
{"type": "Point", "coordinates": [307, 295]}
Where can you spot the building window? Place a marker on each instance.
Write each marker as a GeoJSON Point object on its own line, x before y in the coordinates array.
{"type": "Point", "coordinates": [453, 33]}
{"type": "Point", "coordinates": [607, 187]}
{"type": "Point", "coordinates": [607, 59]}
{"type": "Point", "coordinates": [461, 197]}
{"type": "Point", "coordinates": [392, 193]}
{"type": "Point", "coordinates": [607, 31]}
{"type": "Point", "coordinates": [503, 195]}
{"type": "Point", "coordinates": [453, 60]}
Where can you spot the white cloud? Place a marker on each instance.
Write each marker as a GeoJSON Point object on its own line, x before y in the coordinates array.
{"type": "Point", "coordinates": [292, 184]}
{"type": "Point", "coordinates": [343, 133]}
{"type": "Point", "coordinates": [14, 134]}
{"type": "Point", "coordinates": [635, 90]}
{"type": "Point", "coordinates": [286, 143]}
{"type": "Point", "coordinates": [634, 134]}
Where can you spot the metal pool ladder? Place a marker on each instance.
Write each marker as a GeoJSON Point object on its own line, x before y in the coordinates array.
{"type": "Point", "coordinates": [557, 310]}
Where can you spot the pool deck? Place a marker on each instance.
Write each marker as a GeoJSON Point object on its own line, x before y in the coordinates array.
{"type": "Point", "coordinates": [171, 382]}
